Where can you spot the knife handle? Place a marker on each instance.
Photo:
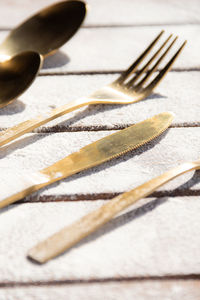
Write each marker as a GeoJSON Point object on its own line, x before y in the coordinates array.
{"type": "Point", "coordinates": [72, 234]}
{"type": "Point", "coordinates": [12, 133]}
{"type": "Point", "coordinates": [21, 185]}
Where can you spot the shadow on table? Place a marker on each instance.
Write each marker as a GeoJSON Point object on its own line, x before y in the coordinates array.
{"type": "Point", "coordinates": [13, 108]}
{"type": "Point", "coordinates": [97, 169]}
{"type": "Point", "coordinates": [20, 144]}
{"type": "Point", "coordinates": [91, 110]}
{"type": "Point", "coordinates": [94, 109]}
{"type": "Point", "coordinates": [57, 60]}
{"type": "Point", "coordinates": [110, 163]}
{"type": "Point", "coordinates": [7, 208]}
{"type": "Point", "coordinates": [135, 213]}
{"type": "Point", "coordinates": [115, 223]}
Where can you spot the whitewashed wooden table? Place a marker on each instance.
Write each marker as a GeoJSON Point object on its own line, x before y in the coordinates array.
{"type": "Point", "coordinates": [150, 251]}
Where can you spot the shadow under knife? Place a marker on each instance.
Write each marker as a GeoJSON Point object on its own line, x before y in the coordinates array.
{"type": "Point", "coordinates": [104, 166]}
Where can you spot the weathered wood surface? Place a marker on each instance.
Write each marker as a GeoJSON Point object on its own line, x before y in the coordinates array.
{"type": "Point", "coordinates": [156, 237]}
{"type": "Point", "coordinates": [150, 251]}
{"type": "Point", "coordinates": [37, 151]}
{"type": "Point", "coordinates": [179, 92]}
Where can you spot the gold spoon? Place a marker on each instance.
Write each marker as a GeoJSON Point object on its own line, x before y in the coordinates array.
{"type": "Point", "coordinates": [44, 33]}
{"type": "Point", "coordinates": [16, 74]}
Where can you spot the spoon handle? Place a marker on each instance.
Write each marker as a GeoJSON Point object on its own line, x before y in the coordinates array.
{"type": "Point", "coordinates": [72, 234]}
{"type": "Point", "coordinates": [13, 133]}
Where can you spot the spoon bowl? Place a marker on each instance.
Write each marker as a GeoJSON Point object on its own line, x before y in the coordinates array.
{"type": "Point", "coordinates": [17, 74]}
{"type": "Point", "coordinates": [47, 30]}
{"type": "Point", "coordinates": [40, 36]}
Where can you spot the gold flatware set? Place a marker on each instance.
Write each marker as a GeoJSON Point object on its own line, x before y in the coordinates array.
{"type": "Point", "coordinates": [21, 57]}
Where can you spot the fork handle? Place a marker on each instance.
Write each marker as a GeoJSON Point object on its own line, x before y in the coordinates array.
{"type": "Point", "coordinates": [12, 133]}
{"type": "Point", "coordinates": [72, 234]}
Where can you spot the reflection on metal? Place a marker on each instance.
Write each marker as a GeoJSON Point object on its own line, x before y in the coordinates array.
{"type": "Point", "coordinates": [37, 37]}
{"type": "Point", "coordinates": [92, 155]}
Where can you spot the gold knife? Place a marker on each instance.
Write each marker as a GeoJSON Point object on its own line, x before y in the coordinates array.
{"type": "Point", "coordinates": [89, 156]}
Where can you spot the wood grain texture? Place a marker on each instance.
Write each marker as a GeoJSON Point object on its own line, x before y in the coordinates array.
{"type": "Point", "coordinates": [140, 290]}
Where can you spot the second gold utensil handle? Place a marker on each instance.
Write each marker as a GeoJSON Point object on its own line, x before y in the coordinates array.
{"type": "Point", "coordinates": [14, 132]}
{"type": "Point", "coordinates": [72, 234]}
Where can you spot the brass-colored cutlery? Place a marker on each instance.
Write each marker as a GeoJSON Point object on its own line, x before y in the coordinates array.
{"type": "Point", "coordinates": [72, 234]}
{"type": "Point", "coordinates": [43, 33]}
{"type": "Point", "coordinates": [21, 57]}
{"type": "Point", "coordinates": [89, 156]}
{"type": "Point", "coordinates": [16, 75]}
{"type": "Point", "coordinates": [46, 31]}
{"type": "Point", "coordinates": [131, 86]}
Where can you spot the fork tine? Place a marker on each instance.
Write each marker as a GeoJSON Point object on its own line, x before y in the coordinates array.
{"type": "Point", "coordinates": [141, 72]}
{"type": "Point", "coordinates": [154, 68]}
{"type": "Point", "coordinates": [164, 71]}
{"type": "Point", "coordinates": [134, 66]}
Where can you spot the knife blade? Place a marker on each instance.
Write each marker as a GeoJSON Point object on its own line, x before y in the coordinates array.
{"type": "Point", "coordinates": [89, 156]}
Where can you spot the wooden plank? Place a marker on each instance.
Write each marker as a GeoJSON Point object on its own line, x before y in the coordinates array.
{"type": "Point", "coordinates": [123, 12]}
{"type": "Point", "coordinates": [171, 95]}
{"type": "Point", "coordinates": [146, 252]}
{"type": "Point", "coordinates": [114, 49]}
{"type": "Point", "coordinates": [37, 151]}
{"type": "Point", "coordinates": [156, 237]}
{"type": "Point", "coordinates": [140, 290]}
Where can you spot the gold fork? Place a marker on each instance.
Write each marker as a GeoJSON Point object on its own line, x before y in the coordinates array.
{"type": "Point", "coordinates": [129, 87]}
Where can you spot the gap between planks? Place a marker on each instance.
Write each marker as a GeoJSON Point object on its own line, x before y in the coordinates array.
{"type": "Point", "coordinates": [104, 196]}
{"type": "Point", "coordinates": [14, 284]}
{"type": "Point", "coordinates": [62, 128]}
{"type": "Point", "coordinates": [110, 72]}
{"type": "Point", "coordinates": [97, 26]}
